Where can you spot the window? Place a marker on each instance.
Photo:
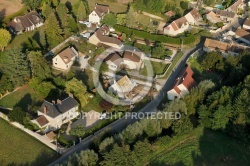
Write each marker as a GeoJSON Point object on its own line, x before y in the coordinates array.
{"type": "Point", "coordinates": [55, 63]}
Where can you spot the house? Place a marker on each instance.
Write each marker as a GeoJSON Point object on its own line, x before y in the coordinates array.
{"type": "Point", "coordinates": [98, 14]}
{"type": "Point", "coordinates": [176, 27]}
{"type": "Point", "coordinates": [193, 17]}
{"type": "Point", "coordinates": [65, 59]}
{"type": "Point", "coordinates": [101, 37]}
{"type": "Point", "coordinates": [129, 59]}
{"type": "Point", "coordinates": [246, 24]}
{"type": "Point", "coordinates": [183, 24]}
{"type": "Point", "coordinates": [170, 13]}
{"type": "Point", "coordinates": [235, 6]}
{"type": "Point", "coordinates": [122, 87]}
{"type": "Point", "coordinates": [224, 48]}
{"type": "Point", "coordinates": [242, 35]}
{"type": "Point", "coordinates": [226, 16]}
{"type": "Point", "coordinates": [182, 85]}
{"type": "Point", "coordinates": [25, 23]}
{"type": "Point", "coordinates": [52, 115]}
{"type": "Point", "coordinates": [212, 17]}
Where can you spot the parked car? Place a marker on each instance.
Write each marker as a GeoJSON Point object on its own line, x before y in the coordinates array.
{"type": "Point", "coordinates": [85, 35]}
{"type": "Point", "coordinates": [86, 57]}
{"type": "Point", "coordinates": [88, 24]}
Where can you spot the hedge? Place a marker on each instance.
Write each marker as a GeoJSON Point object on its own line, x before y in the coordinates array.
{"type": "Point", "coordinates": [154, 37]}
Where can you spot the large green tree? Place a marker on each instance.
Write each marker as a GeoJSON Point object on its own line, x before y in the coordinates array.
{"type": "Point", "coordinates": [4, 39]}
{"type": "Point", "coordinates": [32, 4]}
{"type": "Point", "coordinates": [109, 19]}
{"type": "Point", "coordinates": [53, 31]}
{"type": "Point", "coordinates": [85, 158]}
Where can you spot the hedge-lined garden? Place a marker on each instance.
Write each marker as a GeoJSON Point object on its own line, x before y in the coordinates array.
{"type": "Point", "coordinates": [154, 37]}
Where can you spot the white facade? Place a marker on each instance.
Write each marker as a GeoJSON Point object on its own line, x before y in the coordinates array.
{"type": "Point", "coordinates": [94, 18]}
{"type": "Point", "coordinates": [172, 94]}
{"type": "Point", "coordinates": [57, 122]}
{"type": "Point", "coordinates": [169, 30]}
{"type": "Point", "coordinates": [246, 27]}
{"type": "Point", "coordinates": [190, 19]}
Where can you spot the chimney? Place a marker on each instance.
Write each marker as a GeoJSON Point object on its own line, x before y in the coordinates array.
{"type": "Point", "coordinates": [59, 101]}
{"type": "Point", "coordinates": [71, 95]}
{"type": "Point", "coordinates": [45, 110]}
{"type": "Point", "coordinates": [53, 102]}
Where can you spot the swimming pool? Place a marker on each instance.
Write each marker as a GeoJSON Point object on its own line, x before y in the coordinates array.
{"type": "Point", "coordinates": [218, 6]}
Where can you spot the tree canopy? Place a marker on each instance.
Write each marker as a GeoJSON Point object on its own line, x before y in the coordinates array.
{"type": "Point", "coordinates": [4, 39]}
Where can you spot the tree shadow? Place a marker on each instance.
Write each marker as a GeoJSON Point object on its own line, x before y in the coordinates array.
{"type": "Point", "coordinates": [36, 37]}
{"type": "Point", "coordinates": [55, 94]}
{"type": "Point", "coordinates": [2, 15]}
{"type": "Point", "coordinates": [24, 102]}
{"type": "Point", "coordinates": [44, 158]}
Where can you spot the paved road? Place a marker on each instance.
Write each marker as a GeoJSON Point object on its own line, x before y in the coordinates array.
{"type": "Point", "coordinates": [120, 124]}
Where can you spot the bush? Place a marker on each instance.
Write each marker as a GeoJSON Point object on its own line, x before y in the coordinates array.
{"type": "Point", "coordinates": [155, 37]}
{"type": "Point", "coordinates": [17, 115]}
{"type": "Point", "coordinates": [42, 87]}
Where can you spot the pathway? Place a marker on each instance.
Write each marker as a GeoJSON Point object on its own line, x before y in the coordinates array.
{"type": "Point", "coordinates": [152, 16]}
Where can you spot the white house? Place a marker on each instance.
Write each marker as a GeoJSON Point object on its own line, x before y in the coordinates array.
{"type": "Point", "coordinates": [122, 87]}
{"type": "Point", "coordinates": [243, 35]}
{"type": "Point", "coordinates": [52, 115]}
{"type": "Point", "coordinates": [98, 14]}
{"type": "Point", "coordinates": [183, 24]}
{"type": "Point", "coordinates": [65, 59]}
{"type": "Point", "coordinates": [25, 23]}
{"type": "Point", "coordinates": [101, 37]}
{"type": "Point", "coordinates": [246, 24]}
{"type": "Point", "coordinates": [182, 85]}
{"type": "Point", "coordinates": [129, 59]}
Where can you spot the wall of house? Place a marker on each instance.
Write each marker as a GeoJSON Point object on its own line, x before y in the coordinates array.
{"type": "Point", "coordinates": [112, 45]}
{"type": "Point", "coordinates": [246, 27]}
{"type": "Point", "coordinates": [183, 89]}
{"type": "Point", "coordinates": [94, 18]}
{"type": "Point", "coordinates": [171, 31]}
{"type": "Point", "coordinates": [131, 65]}
{"type": "Point", "coordinates": [94, 40]}
{"type": "Point", "coordinates": [172, 94]}
{"type": "Point", "coordinates": [59, 63]}
{"type": "Point", "coordinates": [112, 66]}
{"type": "Point", "coordinates": [190, 19]}
{"type": "Point", "coordinates": [211, 19]}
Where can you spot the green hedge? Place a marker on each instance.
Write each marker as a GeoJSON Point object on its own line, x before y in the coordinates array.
{"type": "Point", "coordinates": [154, 37]}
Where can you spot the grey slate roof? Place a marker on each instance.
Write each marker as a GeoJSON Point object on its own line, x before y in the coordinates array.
{"type": "Point", "coordinates": [53, 110]}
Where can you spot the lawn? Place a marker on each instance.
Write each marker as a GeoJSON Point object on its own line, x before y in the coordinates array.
{"type": "Point", "coordinates": [114, 7]}
{"type": "Point", "coordinates": [18, 148]}
{"type": "Point", "coordinates": [158, 68]}
{"type": "Point", "coordinates": [201, 147]}
{"type": "Point", "coordinates": [147, 22]}
{"type": "Point", "coordinates": [21, 98]}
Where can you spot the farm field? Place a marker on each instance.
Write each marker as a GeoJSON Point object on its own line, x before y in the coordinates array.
{"type": "Point", "coordinates": [8, 7]}
{"type": "Point", "coordinates": [114, 7]}
{"type": "Point", "coordinates": [18, 148]}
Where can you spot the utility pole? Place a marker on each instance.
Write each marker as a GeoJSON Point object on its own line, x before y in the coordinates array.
{"type": "Point", "coordinates": [181, 43]}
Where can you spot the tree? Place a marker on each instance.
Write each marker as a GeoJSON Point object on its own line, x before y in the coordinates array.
{"type": "Point", "coordinates": [83, 14]}
{"type": "Point", "coordinates": [109, 19]}
{"type": "Point", "coordinates": [53, 31]}
{"type": "Point", "coordinates": [132, 132]}
{"type": "Point", "coordinates": [17, 115]}
{"type": "Point", "coordinates": [33, 4]}
{"type": "Point", "coordinates": [62, 12]}
{"type": "Point", "coordinates": [142, 150]}
{"type": "Point", "coordinates": [47, 10]}
{"type": "Point", "coordinates": [131, 18]}
{"type": "Point", "coordinates": [42, 39]}
{"type": "Point", "coordinates": [151, 127]}
{"type": "Point", "coordinates": [184, 5]}
{"type": "Point", "coordinates": [85, 158]}
{"type": "Point", "coordinates": [4, 39]}
{"type": "Point", "coordinates": [16, 67]}
{"type": "Point", "coordinates": [106, 145]}
{"type": "Point", "coordinates": [78, 131]}
{"type": "Point", "coordinates": [121, 19]}
{"type": "Point", "coordinates": [212, 60]}
{"type": "Point", "coordinates": [78, 89]}
{"type": "Point", "coordinates": [159, 51]}
{"type": "Point", "coordinates": [39, 66]}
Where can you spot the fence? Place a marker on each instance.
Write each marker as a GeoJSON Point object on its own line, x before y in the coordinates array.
{"type": "Point", "coordinates": [41, 138]}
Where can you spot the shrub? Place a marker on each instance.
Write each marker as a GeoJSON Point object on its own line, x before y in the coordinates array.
{"type": "Point", "coordinates": [17, 115]}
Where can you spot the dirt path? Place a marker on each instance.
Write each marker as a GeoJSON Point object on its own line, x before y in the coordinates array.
{"type": "Point", "coordinates": [152, 16]}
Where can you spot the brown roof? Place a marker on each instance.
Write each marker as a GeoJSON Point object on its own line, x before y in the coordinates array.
{"type": "Point", "coordinates": [20, 23]}
{"type": "Point", "coordinates": [67, 55]}
{"type": "Point", "coordinates": [42, 120]}
{"type": "Point", "coordinates": [179, 22]}
{"type": "Point", "coordinates": [243, 34]}
{"type": "Point", "coordinates": [247, 22]}
{"type": "Point", "coordinates": [114, 57]}
{"type": "Point", "coordinates": [51, 135]}
{"type": "Point", "coordinates": [130, 55]}
{"type": "Point", "coordinates": [195, 14]}
{"type": "Point", "coordinates": [170, 13]}
{"type": "Point", "coordinates": [225, 13]}
{"type": "Point", "coordinates": [215, 44]}
{"type": "Point", "coordinates": [125, 84]}
{"type": "Point", "coordinates": [101, 9]}
{"type": "Point", "coordinates": [235, 5]}
{"type": "Point", "coordinates": [102, 33]}
{"type": "Point", "coordinates": [213, 16]}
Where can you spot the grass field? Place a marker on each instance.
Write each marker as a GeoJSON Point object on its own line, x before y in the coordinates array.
{"type": "Point", "coordinates": [9, 7]}
{"type": "Point", "coordinates": [18, 148]}
{"type": "Point", "coordinates": [202, 147]}
{"type": "Point", "coordinates": [21, 98]}
{"type": "Point", "coordinates": [158, 68]}
{"type": "Point", "coordinates": [114, 7]}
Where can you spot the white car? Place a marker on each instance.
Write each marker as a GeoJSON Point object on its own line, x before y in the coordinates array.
{"type": "Point", "coordinates": [85, 35]}
{"type": "Point", "coordinates": [103, 116]}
